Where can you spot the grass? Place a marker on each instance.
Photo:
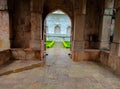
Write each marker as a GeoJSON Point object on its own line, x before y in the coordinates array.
{"type": "Point", "coordinates": [66, 44]}
{"type": "Point", "coordinates": [49, 44]}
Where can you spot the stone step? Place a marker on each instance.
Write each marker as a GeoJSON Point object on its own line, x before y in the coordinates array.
{"type": "Point", "coordinates": [19, 66]}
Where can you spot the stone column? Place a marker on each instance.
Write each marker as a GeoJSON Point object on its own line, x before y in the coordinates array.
{"type": "Point", "coordinates": [78, 40]}
{"type": "Point", "coordinates": [78, 36]}
{"type": "Point", "coordinates": [4, 26]}
{"type": "Point", "coordinates": [115, 47]}
{"type": "Point", "coordinates": [106, 24]}
{"type": "Point", "coordinates": [36, 27]}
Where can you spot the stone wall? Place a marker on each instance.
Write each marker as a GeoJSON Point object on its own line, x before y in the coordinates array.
{"type": "Point", "coordinates": [4, 25]}
{"type": "Point", "coordinates": [89, 55]}
{"type": "Point", "coordinates": [4, 30]}
{"type": "Point", "coordinates": [21, 30]}
{"type": "Point", "coordinates": [19, 54]}
{"type": "Point", "coordinates": [114, 63]}
{"type": "Point", "coordinates": [104, 57]}
{"type": "Point", "coordinates": [92, 55]}
{"type": "Point", "coordinates": [110, 60]}
{"type": "Point", "coordinates": [94, 10]}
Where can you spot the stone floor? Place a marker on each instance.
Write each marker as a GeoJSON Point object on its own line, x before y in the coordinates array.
{"type": "Point", "coordinates": [61, 73]}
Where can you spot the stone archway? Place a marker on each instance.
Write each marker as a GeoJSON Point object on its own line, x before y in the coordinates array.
{"type": "Point", "coordinates": [76, 12]}
{"type": "Point", "coordinates": [32, 25]}
{"type": "Point", "coordinates": [57, 25]}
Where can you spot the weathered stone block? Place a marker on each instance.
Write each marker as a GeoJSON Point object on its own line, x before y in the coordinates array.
{"type": "Point", "coordinates": [114, 63]}
{"type": "Point", "coordinates": [5, 56]}
{"type": "Point", "coordinates": [86, 55]}
{"type": "Point", "coordinates": [29, 55]}
{"type": "Point", "coordinates": [26, 54]}
{"type": "Point", "coordinates": [110, 60]}
{"type": "Point", "coordinates": [78, 45]}
{"type": "Point", "coordinates": [114, 49]}
{"type": "Point", "coordinates": [104, 57]}
{"type": "Point", "coordinates": [92, 55]}
{"type": "Point", "coordinates": [78, 55]}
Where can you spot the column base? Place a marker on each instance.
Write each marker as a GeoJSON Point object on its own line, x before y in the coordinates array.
{"type": "Point", "coordinates": [104, 45]}
{"type": "Point", "coordinates": [78, 56]}
{"type": "Point", "coordinates": [86, 55]}
{"type": "Point", "coordinates": [115, 49]}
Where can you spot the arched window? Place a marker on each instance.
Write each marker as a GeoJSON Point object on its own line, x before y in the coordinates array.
{"type": "Point", "coordinates": [57, 29]}
{"type": "Point", "coordinates": [68, 30]}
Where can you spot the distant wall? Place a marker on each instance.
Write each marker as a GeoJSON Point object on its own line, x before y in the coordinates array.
{"type": "Point", "coordinates": [58, 25]}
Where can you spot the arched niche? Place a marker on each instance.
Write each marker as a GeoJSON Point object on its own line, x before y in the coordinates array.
{"type": "Point", "coordinates": [57, 29]}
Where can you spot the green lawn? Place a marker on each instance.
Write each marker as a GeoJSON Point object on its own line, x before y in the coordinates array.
{"type": "Point", "coordinates": [66, 44]}
{"type": "Point", "coordinates": [49, 44]}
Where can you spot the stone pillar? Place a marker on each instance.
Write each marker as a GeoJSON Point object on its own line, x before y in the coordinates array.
{"type": "Point", "coordinates": [4, 26]}
{"type": "Point", "coordinates": [106, 24]}
{"type": "Point", "coordinates": [78, 36]}
{"type": "Point", "coordinates": [36, 27]}
{"type": "Point", "coordinates": [78, 41]}
{"type": "Point", "coordinates": [36, 24]}
{"type": "Point", "coordinates": [115, 47]}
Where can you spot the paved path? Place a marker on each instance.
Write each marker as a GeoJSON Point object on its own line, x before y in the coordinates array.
{"type": "Point", "coordinates": [61, 73]}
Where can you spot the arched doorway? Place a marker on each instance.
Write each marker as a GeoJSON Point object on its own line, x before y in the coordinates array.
{"type": "Point", "coordinates": [58, 28]}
